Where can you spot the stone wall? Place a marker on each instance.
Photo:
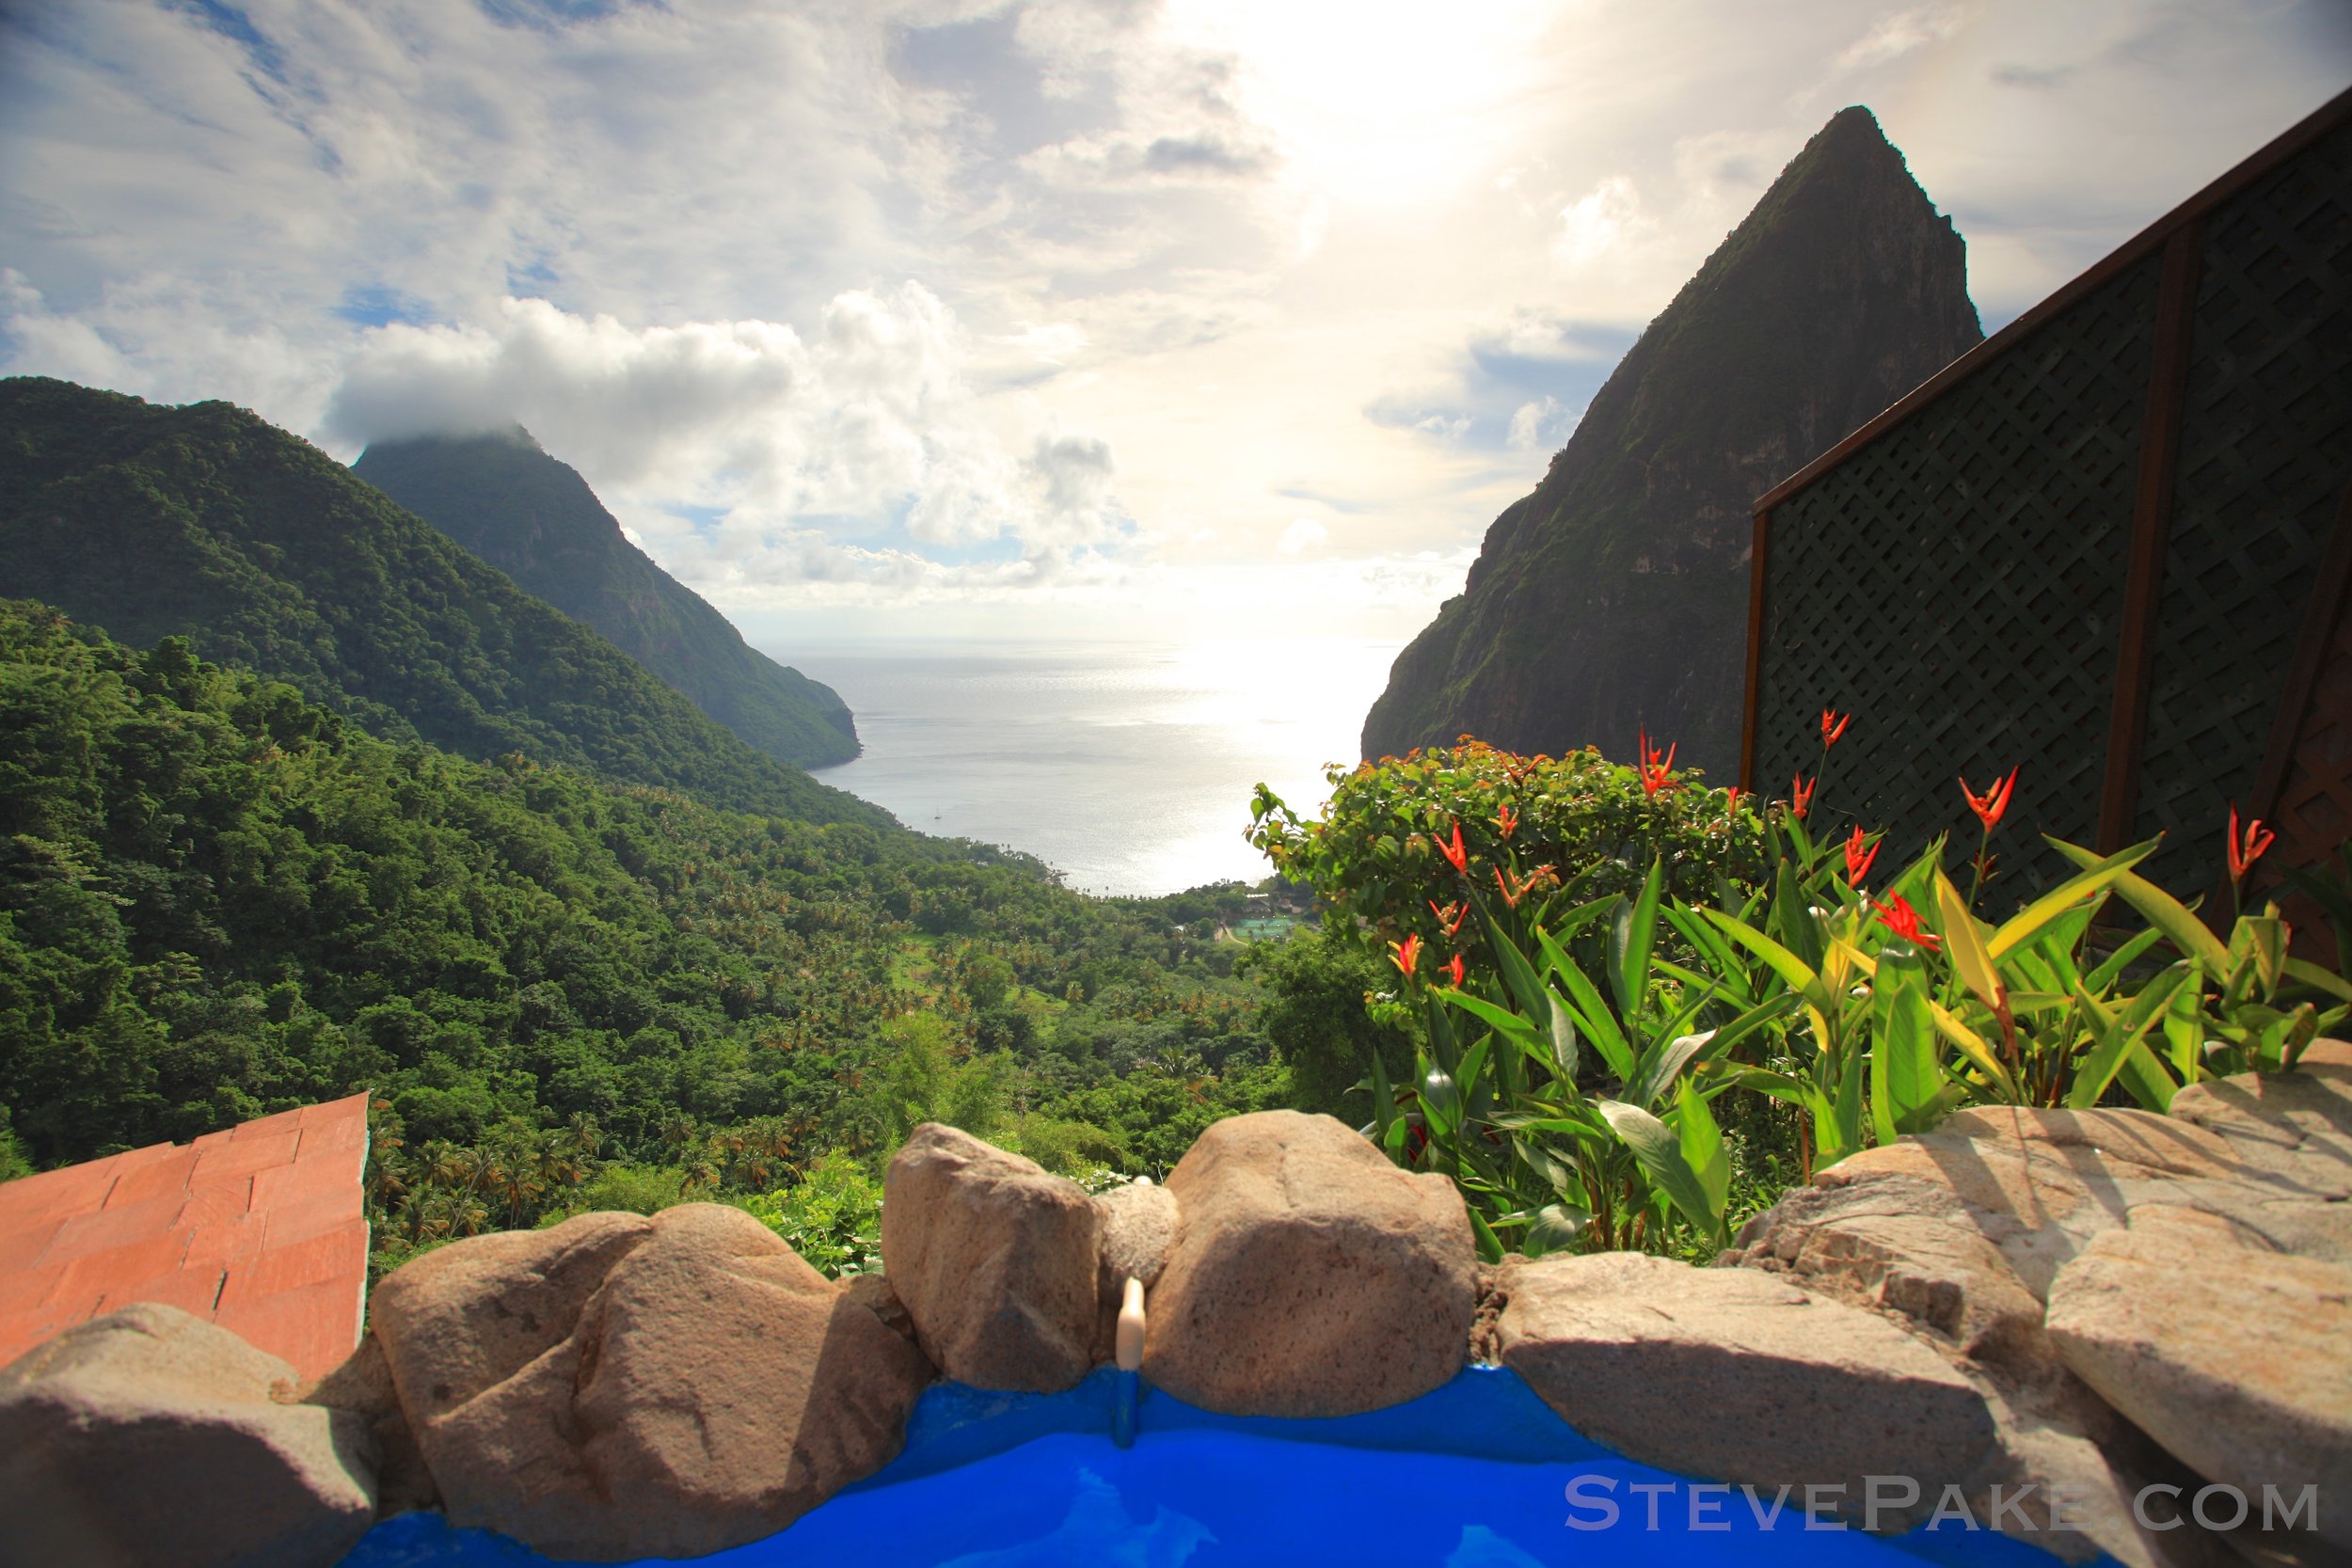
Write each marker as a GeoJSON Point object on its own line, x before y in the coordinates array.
{"type": "Point", "coordinates": [2019, 1310]}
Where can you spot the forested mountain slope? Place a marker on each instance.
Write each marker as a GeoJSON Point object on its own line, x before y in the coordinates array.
{"type": "Point", "coordinates": [1615, 595]}
{"type": "Point", "coordinates": [502, 497]}
{"type": "Point", "coordinates": [207, 522]}
{"type": "Point", "coordinates": [217, 899]}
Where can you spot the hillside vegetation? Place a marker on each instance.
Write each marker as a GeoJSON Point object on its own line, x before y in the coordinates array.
{"type": "Point", "coordinates": [505, 499]}
{"type": "Point", "coordinates": [219, 899]}
{"type": "Point", "coordinates": [207, 523]}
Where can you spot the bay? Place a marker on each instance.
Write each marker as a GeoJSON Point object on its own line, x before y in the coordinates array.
{"type": "Point", "coordinates": [1128, 766]}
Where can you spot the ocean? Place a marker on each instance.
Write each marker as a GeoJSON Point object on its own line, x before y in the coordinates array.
{"type": "Point", "coordinates": [1128, 766]}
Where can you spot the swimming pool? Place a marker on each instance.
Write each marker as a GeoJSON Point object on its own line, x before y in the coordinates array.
{"type": "Point", "coordinates": [1476, 1475]}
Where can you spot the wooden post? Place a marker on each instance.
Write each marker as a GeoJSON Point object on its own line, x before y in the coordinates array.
{"type": "Point", "coordinates": [2152, 532]}
{"type": "Point", "coordinates": [1756, 648]}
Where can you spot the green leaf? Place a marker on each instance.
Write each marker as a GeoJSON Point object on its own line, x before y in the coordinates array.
{"type": "Point", "coordinates": [2146, 1079]}
{"type": "Point", "coordinates": [1964, 946]}
{"type": "Point", "coordinates": [1636, 932]}
{"type": "Point", "coordinates": [1703, 1149]}
{"type": "Point", "coordinates": [2319, 980]}
{"type": "Point", "coordinates": [2097, 876]}
{"type": "Point", "coordinates": [2115, 1034]}
{"type": "Point", "coordinates": [1659, 1153]}
{"type": "Point", "coordinates": [1663, 1066]}
{"type": "Point", "coordinates": [1794, 972]}
{"type": "Point", "coordinates": [1489, 1248]}
{"type": "Point", "coordinates": [1563, 1029]}
{"type": "Point", "coordinates": [1907, 1079]}
{"type": "Point", "coordinates": [1486, 1012]}
{"type": "Point", "coordinates": [2167, 913]}
{"type": "Point", "coordinates": [1593, 1013]}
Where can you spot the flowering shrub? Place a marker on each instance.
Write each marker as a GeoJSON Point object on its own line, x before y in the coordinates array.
{"type": "Point", "coordinates": [1389, 851]}
{"type": "Point", "coordinates": [1581, 1023]}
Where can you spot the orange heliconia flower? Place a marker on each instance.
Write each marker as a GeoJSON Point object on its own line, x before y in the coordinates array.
{"type": "Point", "coordinates": [1859, 854]}
{"type": "Point", "coordinates": [1408, 953]}
{"type": "Point", "coordinates": [1898, 916]}
{"type": "Point", "coordinates": [1455, 855]}
{"type": "Point", "coordinates": [1800, 796]}
{"type": "Point", "coordinates": [1454, 969]}
{"type": "Point", "coordinates": [2246, 849]}
{"type": "Point", "coordinates": [1833, 725]}
{"type": "Point", "coordinates": [1994, 802]}
{"type": "Point", "coordinates": [1506, 819]}
{"type": "Point", "coordinates": [1657, 770]}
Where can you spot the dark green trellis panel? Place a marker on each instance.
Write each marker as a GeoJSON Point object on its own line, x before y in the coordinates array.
{"type": "Point", "coordinates": [1956, 585]}
{"type": "Point", "coordinates": [2266, 435]}
{"type": "Point", "coordinates": [1956, 574]}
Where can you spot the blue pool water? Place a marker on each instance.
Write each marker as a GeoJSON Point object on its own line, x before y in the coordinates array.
{"type": "Point", "coordinates": [1476, 1475]}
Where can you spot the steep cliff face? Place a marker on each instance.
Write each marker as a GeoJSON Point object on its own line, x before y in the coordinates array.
{"type": "Point", "coordinates": [535, 518]}
{"type": "Point", "coordinates": [1615, 595]}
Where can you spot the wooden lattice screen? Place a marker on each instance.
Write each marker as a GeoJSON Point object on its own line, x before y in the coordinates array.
{"type": "Point", "coordinates": [2087, 549]}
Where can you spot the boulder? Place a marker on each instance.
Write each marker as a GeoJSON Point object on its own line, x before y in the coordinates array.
{"type": "Point", "coordinates": [713, 1389]}
{"type": "Point", "coordinates": [2293, 1126]}
{"type": "Point", "coordinates": [996, 1261]}
{"type": "Point", "coordinates": [2236, 1358]}
{"type": "Point", "coordinates": [363, 1387]}
{"type": "Point", "coordinates": [149, 1438]}
{"type": "Point", "coordinates": [466, 1317]}
{"type": "Point", "coordinates": [1307, 1276]}
{"type": "Point", "coordinates": [1733, 1375]}
{"type": "Point", "coordinates": [1137, 1227]}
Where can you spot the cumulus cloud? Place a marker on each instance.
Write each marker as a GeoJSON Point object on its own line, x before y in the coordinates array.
{"type": "Point", "coordinates": [1303, 534]}
{"type": "Point", "coordinates": [866, 423]}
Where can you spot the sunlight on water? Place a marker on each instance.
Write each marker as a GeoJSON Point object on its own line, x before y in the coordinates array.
{"type": "Point", "coordinates": [1128, 765]}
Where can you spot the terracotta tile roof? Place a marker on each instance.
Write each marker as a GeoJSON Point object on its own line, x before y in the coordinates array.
{"type": "Point", "coordinates": [261, 1227]}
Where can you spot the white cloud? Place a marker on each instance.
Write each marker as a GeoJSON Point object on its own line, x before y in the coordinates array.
{"type": "Point", "coordinates": [910, 302]}
{"type": "Point", "coordinates": [1303, 534]}
{"type": "Point", "coordinates": [1597, 220]}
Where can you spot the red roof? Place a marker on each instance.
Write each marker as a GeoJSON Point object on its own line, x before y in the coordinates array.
{"type": "Point", "coordinates": [260, 1229]}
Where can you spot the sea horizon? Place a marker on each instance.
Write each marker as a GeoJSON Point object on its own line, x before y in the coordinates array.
{"type": "Point", "coordinates": [1127, 765]}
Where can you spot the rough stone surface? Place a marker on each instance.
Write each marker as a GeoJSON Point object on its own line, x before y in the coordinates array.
{"type": "Point", "coordinates": [363, 1386]}
{"type": "Point", "coordinates": [1734, 1375]}
{"type": "Point", "coordinates": [1963, 1235]}
{"type": "Point", "coordinates": [1138, 1227]}
{"type": "Point", "coordinates": [1308, 1276]}
{"type": "Point", "coordinates": [466, 1317]}
{"type": "Point", "coordinates": [153, 1438]}
{"type": "Point", "coordinates": [713, 1389]}
{"type": "Point", "coordinates": [2295, 1125]}
{"type": "Point", "coordinates": [2236, 1358]}
{"type": "Point", "coordinates": [996, 1260]}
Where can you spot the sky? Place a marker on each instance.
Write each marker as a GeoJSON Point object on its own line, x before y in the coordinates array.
{"type": "Point", "coordinates": [1167, 319]}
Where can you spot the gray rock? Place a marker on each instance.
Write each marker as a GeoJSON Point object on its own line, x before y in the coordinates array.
{"type": "Point", "coordinates": [714, 1389]}
{"type": "Point", "coordinates": [1308, 1276]}
{"type": "Point", "coordinates": [2237, 1359]}
{"type": "Point", "coordinates": [1736, 1376]}
{"type": "Point", "coordinates": [363, 1386]}
{"type": "Point", "coordinates": [996, 1261]}
{"type": "Point", "coordinates": [149, 1438]}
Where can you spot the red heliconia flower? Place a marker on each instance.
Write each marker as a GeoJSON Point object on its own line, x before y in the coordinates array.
{"type": "Point", "coordinates": [1994, 802]}
{"type": "Point", "coordinates": [1506, 819]}
{"type": "Point", "coordinates": [1898, 916]}
{"type": "Point", "coordinates": [1833, 725]}
{"type": "Point", "coordinates": [1408, 953]}
{"type": "Point", "coordinates": [1800, 796]}
{"type": "Point", "coordinates": [1454, 969]}
{"type": "Point", "coordinates": [1731, 800]}
{"type": "Point", "coordinates": [1858, 857]}
{"type": "Point", "coordinates": [1455, 855]}
{"type": "Point", "coordinates": [1657, 771]}
{"type": "Point", "coordinates": [2246, 849]}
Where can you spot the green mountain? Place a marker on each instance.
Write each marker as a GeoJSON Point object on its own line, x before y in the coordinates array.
{"type": "Point", "coordinates": [1615, 596]}
{"type": "Point", "coordinates": [535, 519]}
{"type": "Point", "coordinates": [205, 521]}
{"type": "Point", "coordinates": [217, 899]}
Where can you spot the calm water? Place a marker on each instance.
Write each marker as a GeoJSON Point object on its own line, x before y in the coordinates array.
{"type": "Point", "coordinates": [1129, 766]}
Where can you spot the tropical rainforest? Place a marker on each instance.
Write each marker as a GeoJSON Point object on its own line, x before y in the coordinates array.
{"type": "Point", "coordinates": [220, 898]}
